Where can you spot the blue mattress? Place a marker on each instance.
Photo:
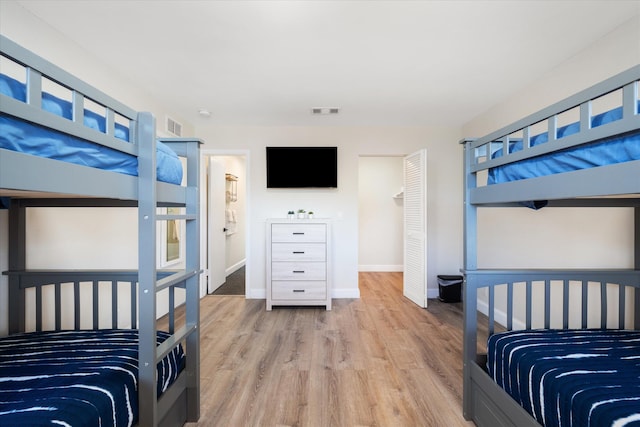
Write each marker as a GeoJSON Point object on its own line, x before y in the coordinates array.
{"type": "Point", "coordinates": [572, 377]}
{"type": "Point", "coordinates": [29, 138]}
{"type": "Point", "coordinates": [619, 149]}
{"type": "Point", "coordinates": [75, 378]}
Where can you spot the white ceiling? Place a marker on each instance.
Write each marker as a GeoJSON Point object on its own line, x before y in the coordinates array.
{"type": "Point", "coordinates": [380, 62]}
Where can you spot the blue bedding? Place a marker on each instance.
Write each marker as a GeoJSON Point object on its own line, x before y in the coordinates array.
{"type": "Point", "coordinates": [29, 138]}
{"type": "Point", "coordinates": [572, 377]}
{"type": "Point", "coordinates": [75, 378]}
{"type": "Point", "coordinates": [619, 149]}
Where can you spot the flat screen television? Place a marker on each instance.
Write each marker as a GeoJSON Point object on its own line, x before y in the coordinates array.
{"type": "Point", "coordinates": [302, 167]}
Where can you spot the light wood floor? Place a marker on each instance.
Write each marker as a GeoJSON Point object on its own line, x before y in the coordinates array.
{"type": "Point", "coordinates": [374, 361]}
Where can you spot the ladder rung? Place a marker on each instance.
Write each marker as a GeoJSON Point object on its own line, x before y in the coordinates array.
{"type": "Point", "coordinates": [167, 345]}
{"type": "Point", "coordinates": [187, 217]}
{"type": "Point", "coordinates": [174, 278]}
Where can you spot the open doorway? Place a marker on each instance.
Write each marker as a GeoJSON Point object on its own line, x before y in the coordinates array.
{"type": "Point", "coordinates": [380, 213]}
{"type": "Point", "coordinates": [392, 219]}
{"type": "Point", "coordinates": [226, 223]}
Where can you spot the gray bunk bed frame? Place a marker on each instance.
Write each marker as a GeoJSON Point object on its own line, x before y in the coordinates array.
{"type": "Point", "coordinates": [61, 184]}
{"type": "Point", "coordinates": [484, 401]}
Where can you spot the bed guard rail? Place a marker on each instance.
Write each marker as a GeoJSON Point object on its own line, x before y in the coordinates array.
{"type": "Point", "coordinates": [559, 299]}
{"type": "Point", "coordinates": [56, 300]}
{"type": "Point", "coordinates": [40, 76]}
{"type": "Point", "coordinates": [496, 149]}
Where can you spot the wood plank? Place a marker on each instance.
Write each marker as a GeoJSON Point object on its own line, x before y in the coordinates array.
{"type": "Point", "coordinates": [377, 361]}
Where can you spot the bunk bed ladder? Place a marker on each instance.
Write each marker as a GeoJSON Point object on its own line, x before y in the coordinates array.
{"type": "Point", "coordinates": [151, 411]}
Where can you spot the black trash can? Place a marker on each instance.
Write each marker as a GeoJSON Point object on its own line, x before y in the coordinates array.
{"type": "Point", "coordinates": [449, 288]}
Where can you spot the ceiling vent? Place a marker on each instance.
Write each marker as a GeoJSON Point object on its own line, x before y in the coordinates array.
{"type": "Point", "coordinates": [324, 111]}
{"type": "Point", "coordinates": [174, 127]}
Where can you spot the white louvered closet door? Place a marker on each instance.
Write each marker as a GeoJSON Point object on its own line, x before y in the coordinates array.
{"type": "Point", "coordinates": [415, 228]}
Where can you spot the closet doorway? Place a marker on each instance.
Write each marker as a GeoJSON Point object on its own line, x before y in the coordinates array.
{"type": "Point", "coordinates": [226, 223]}
{"type": "Point", "coordinates": [392, 219]}
{"type": "Point", "coordinates": [380, 213]}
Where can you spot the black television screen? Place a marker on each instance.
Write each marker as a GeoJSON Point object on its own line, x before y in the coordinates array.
{"type": "Point", "coordinates": [302, 167]}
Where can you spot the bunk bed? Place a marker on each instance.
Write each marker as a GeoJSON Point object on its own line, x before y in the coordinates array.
{"type": "Point", "coordinates": [563, 346]}
{"type": "Point", "coordinates": [74, 146]}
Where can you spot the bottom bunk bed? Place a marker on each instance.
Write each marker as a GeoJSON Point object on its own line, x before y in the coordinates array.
{"type": "Point", "coordinates": [80, 370]}
{"type": "Point", "coordinates": [76, 378]}
{"type": "Point", "coordinates": [554, 375]}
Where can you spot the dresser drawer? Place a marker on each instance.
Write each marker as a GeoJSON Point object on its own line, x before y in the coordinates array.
{"type": "Point", "coordinates": [303, 232]}
{"type": "Point", "coordinates": [298, 271]}
{"type": "Point", "coordinates": [298, 252]}
{"type": "Point", "coordinates": [295, 290]}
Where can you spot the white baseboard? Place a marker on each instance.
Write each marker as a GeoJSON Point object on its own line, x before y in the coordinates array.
{"type": "Point", "coordinates": [432, 293]}
{"type": "Point", "coordinates": [349, 293]}
{"type": "Point", "coordinates": [257, 294]}
{"type": "Point", "coordinates": [381, 268]}
{"type": "Point", "coordinates": [237, 266]}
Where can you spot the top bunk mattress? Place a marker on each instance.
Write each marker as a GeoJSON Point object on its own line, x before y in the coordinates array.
{"type": "Point", "coordinates": [619, 149]}
{"type": "Point", "coordinates": [29, 138]}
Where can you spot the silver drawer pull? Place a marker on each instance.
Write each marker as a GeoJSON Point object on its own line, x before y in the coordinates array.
{"type": "Point", "coordinates": [298, 271]}
{"type": "Point", "coordinates": [298, 233]}
{"type": "Point", "coordinates": [298, 252]}
{"type": "Point", "coordinates": [298, 290]}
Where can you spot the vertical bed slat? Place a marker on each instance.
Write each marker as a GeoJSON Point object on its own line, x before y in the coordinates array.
{"type": "Point", "coordinates": [547, 304]}
{"type": "Point", "coordinates": [526, 138]}
{"type": "Point", "coordinates": [585, 303]}
{"type": "Point", "coordinates": [622, 311]}
{"type": "Point", "coordinates": [585, 115]}
{"type": "Point", "coordinates": [510, 306]}
{"type": "Point", "coordinates": [114, 304]}
{"type": "Point", "coordinates": [76, 305]}
{"type": "Point", "coordinates": [110, 126]}
{"type": "Point", "coordinates": [134, 305]}
{"type": "Point", "coordinates": [629, 103]}
{"type": "Point", "coordinates": [552, 128]}
{"type": "Point", "coordinates": [78, 107]}
{"type": "Point", "coordinates": [96, 305]}
{"type": "Point", "coordinates": [34, 87]}
{"type": "Point", "coordinates": [528, 307]}
{"type": "Point", "coordinates": [58, 303]}
{"type": "Point", "coordinates": [39, 308]}
{"type": "Point", "coordinates": [603, 305]}
{"type": "Point", "coordinates": [565, 304]}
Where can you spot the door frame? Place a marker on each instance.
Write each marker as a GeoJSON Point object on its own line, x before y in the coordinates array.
{"type": "Point", "coordinates": [204, 226]}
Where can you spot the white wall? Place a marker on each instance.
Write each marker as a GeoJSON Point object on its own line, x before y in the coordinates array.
{"type": "Point", "coordinates": [341, 204]}
{"type": "Point", "coordinates": [380, 218]}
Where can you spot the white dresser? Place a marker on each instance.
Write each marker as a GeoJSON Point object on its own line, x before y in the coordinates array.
{"type": "Point", "coordinates": [298, 262]}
